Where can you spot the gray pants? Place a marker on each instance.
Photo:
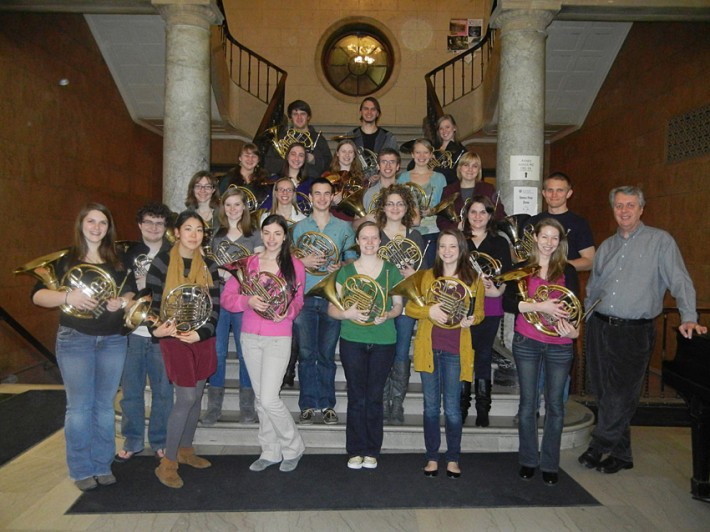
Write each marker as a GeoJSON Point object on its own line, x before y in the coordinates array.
{"type": "Point", "coordinates": [617, 358]}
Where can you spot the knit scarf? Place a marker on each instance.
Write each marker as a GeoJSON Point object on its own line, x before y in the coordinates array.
{"type": "Point", "coordinates": [199, 274]}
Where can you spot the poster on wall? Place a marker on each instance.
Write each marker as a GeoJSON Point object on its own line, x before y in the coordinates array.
{"type": "Point", "coordinates": [525, 168]}
{"type": "Point", "coordinates": [463, 33]}
{"type": "Point", "coordinates": [525, 200]}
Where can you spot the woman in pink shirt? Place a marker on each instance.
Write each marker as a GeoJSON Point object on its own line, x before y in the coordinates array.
{"type": "Point", "coordinates": [266, 341]}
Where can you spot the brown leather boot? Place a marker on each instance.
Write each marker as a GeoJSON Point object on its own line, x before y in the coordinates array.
{"type": "Point", "coordinates": [186, 455]}
{"type": "Point", "coordinates": [167, 473]}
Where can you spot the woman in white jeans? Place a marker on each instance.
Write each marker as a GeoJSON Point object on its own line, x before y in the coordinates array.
{"type": "Point", "coordinates": [266, 342]}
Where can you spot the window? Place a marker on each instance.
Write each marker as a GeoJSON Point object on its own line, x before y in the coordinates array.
{"type": "Point", "coordinates": [357, 59]}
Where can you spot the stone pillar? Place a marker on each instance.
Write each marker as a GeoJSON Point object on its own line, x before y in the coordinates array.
{"type": "Point", "coordinates": [521, 99]}
{"type": "Point", "coordinates": [187, 122]}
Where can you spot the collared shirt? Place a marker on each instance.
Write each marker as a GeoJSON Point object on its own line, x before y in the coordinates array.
{"type": "Point", "coordinates": [631, 276]}
{"type": "Point", "coordinates": [339, 231]}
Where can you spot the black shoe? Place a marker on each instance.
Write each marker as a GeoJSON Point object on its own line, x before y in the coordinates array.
{"type": "Point", "coordinates": [613, 465]}
{"type": "Point", "coordinates": [590, 458]}
{"type": "Point", "coordinates": [550, 478]}
{"type": "Point", "coordinates": [432, 473]}
{"type": "Point", "coordinates": [452, 474]}
{"type": "Point", "coordinates": [289, 379]}
{"type": "Point", "coordinates": [526, 473]}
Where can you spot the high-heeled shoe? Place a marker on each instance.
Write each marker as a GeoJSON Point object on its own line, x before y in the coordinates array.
{"type": "Point", "coordinates": [452, 474]}
{"type": "Point", "coordinates": [431, 472]}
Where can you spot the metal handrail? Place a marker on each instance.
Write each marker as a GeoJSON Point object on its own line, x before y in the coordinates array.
{"type": "Point", "coordinates": [30, 339]}
{"type": "Point", "coordinates": [255, 74]}
{"type": "Point", "coordinates": [466, 72]}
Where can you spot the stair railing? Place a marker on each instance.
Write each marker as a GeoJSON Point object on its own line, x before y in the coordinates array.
{"type": "Point", "coordinates": [49, 362]}
{"type": "Point", "coordinates": [456, 78]}
{"type": "Point", "coordinates": [256, 75]}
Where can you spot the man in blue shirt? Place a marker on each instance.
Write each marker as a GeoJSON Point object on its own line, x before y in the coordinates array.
{"type": "Point", "coordinates": [315, 332]}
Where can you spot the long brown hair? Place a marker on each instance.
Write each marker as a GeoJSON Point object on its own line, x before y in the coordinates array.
{"type": "Point", "coordinates": [402, 191]}
{"type": "Point", "coordinates": [191, 199]}
{"type": "Point", "coordinates": [356, 172]}
{"type": "Point", "coordinates": [107, 250]}
{"type": "Point", "coordinates": [245, 224]}
{"type": "Point", "coordinates": [464, 270]}
{"type": "Point", "coordinates": [558, 260]}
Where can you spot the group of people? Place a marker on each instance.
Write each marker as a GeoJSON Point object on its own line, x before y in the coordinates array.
{"type": "Point", "coordinates": [326, 281]}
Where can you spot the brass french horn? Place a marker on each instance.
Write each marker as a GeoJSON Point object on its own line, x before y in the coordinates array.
{"type": "Point", "coordinates": [291, 136]}
{"type": "Point", "coordinates": [271, 288]}
{"type": "Point", "coordinates": [89, 278]}
{"type": "Point", "coordinates": [319, 243]}
{"type": "Point", "coordinates": [401, 252]}
{"type": "Point", "coordinates": [420, 196]}
{"type": "Point", "coordinates": [360, 290]}
{"type": "Point", "coordinates": [546, 323]}
{"type": "Point", "coordinates": [484, 264]}
{"type": "Point", "coordinates": [522, 244]}
{"type": "Point", "coordinates": [227, 252]}
{"type": "Point", "coordinates": [455, 298]}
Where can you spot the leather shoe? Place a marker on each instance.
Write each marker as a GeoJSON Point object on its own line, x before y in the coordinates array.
{"type": "Point", "coordinates": [526, 473]}
{"type": "Point", "coordinates": [614, 465]}
{"type": "Point", "coordinates": [431, 472]}
{"type": "Point", "coordinates": [590, 458]}
{"type": "Point", "coordinates": [550, 478]}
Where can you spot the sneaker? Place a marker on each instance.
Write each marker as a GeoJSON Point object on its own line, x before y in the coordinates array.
{"type": "Point", "coordinates": [86, 484]}
{"type": "Point", "coordinates": [306, 417]}
{"type": "Point", "coordinates": [106, 480]}
{"type": "Point", "coordinates": [370, 462]}
{"type": "Point", "coordinates": [355, 462]}
{"type": "Point", "coordinates": [330, 417]}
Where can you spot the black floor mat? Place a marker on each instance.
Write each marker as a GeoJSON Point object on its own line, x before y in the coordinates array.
{"type": "Point", "coordinates": [323, 482]}
{"type": "Point", "coordinates": [28, 418]}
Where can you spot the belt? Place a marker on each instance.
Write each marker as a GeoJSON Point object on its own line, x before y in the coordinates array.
{"type": "Point", "coordinates": [620, 322]}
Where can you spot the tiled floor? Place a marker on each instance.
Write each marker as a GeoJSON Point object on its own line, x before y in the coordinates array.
{"type": "Point", "coordinates": [35, 492]}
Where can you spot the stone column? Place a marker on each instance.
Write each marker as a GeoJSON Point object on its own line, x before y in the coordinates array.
{"type": "Point", "coordinates": [521, 100]}
{"type": "Point", "coordinates": [187, 122]}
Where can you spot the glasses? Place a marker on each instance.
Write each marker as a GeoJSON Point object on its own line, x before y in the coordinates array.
{"type": "Point", "coordinates": [151, 223]}
{"type": "Point", "coordinates": [203, 187]}
{"type": "Point", "coordinates": [385, 162]}
{"type": "Point", "coordinates": [399, 204]}
{"type": "Point", "coordinates": [289, 190]}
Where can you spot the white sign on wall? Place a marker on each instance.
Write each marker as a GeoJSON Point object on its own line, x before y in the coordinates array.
{"type": "Point", "coordinates": [525, 168]}
{"type": "Point", "coordinates": [525, 200]}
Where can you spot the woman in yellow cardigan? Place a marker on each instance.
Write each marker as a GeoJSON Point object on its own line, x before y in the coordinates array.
{"type": "Point", "coordinates": [442, 347]}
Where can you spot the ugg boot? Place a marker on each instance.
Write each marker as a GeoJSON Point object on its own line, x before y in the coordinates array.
{"type": "Point", "coordinates": [483, 402]}
{"type": "Point", "coordinates": [167, 473]}
{"type": "Point", "coordinates": [247, 413]}
{"type": "Point", "coordinates": [186, 455]}
{"type": "Point", "coordinates": [215, 397]}
{"type": "Point", "coordinates": [465, 399]}
{"type": "Point", "coordinates": [400, 383]}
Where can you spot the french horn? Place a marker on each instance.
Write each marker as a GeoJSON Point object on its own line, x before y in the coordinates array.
{"type": "Point", "coordinates": [227, 252]}
{"type": "Point", "coordinates": [268, 286]}
{"type": "Point", "coordinates": [455, 298]}
{"type": "Point", "coordinates": [88, 278]}
{"type": "Point", "coordinates": [188, 305]}
{"type": "Point", "coordinates": [420, 196]}
{"type": "Point", "coordinates": [484, 264]}
{"type": "Point", "coordinates": [446, 208]}
{"type": "Point", "coordinates": [303, 204]}
{"type": "Point", "coordinates": [359, 290]}
{"type": "Point", "coordinates": [368, 160]}
{"type": "Point", "coordinates": [318, 243]}
{"type": "Point", "coordinates": [291, 136]}
{"type": "Point", "coordinates": [444, 159]}
{"type": "Point", "coordinates": [401, 252]}
{"type": "Point", "coordinates": [545, 323]}
{"type": "Point", "coordinates": [522, 244]}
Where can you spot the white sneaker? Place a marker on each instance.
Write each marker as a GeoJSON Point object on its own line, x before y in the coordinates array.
{"type": "Point", "coordinates": [355, 462]}
{"type": "Point", "coordinates": [370, 462]}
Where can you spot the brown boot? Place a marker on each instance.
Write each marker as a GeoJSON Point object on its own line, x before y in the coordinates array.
{"type": "Point", "coordinates": [186, 455]}
{"type": "Point", "coordinates": [167, 473]}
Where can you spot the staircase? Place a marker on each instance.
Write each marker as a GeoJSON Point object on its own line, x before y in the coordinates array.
{"type": "Point", "coordinates": [500, 436]}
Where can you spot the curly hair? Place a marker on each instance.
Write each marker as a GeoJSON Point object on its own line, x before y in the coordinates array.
{"type": "Point", "coordinates": [402, 191]}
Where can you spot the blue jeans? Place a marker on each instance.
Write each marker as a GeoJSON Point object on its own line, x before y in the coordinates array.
{"type": "Point", "coordinates": [443, 381]}
{"type": "Point", "coordinates": [316, 334]}
{"type": "Point", "coordinates": [224, 322]}
{"type": "Point", "coordinates": [529, 356]}
{"type": "Point", "coordinates": [366, 369]}
{"type": "Point", "coordinates": [405, 330]}
{"type": "Point", "coordinates": [91, 368]}
{"type": "Point", "coordinates": [144, 358]}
